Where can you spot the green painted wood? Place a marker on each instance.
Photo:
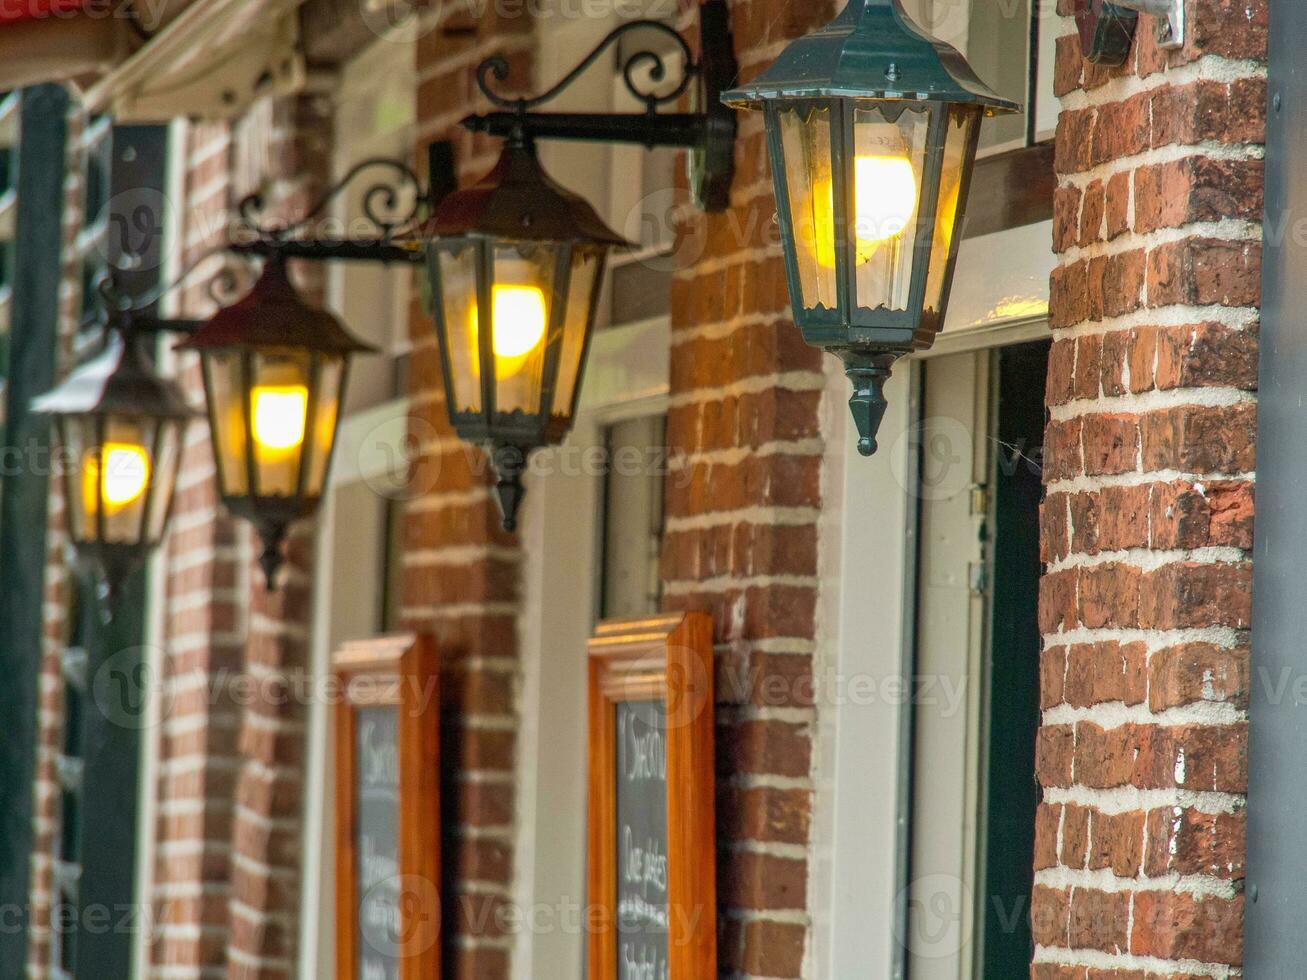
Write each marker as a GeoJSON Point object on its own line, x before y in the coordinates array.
{"type": "Point", "coordinates": [1012, 686]}
{"type": "Point", "coordinates": [23, 502]}
{"type": "Point", "coordinates": [118, 675]}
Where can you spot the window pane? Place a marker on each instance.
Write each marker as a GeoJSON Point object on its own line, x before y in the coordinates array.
{"type": "Point", "coordinates": [633, 517]}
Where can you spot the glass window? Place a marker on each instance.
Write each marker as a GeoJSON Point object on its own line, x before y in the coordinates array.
{"type": "Point", "coordinates": [630, 584]}
{"type": "Point", "coordinates": [1010, 46]}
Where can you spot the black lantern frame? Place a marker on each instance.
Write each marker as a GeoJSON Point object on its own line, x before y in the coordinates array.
{"type": "Point", "coordinates": [115, 410]}
{"type": "Point", "coordinates": [272, 348]}
{"type": "Point", "coordinates": [870, 88]}
{"type": "Point", "coordinates": [405, 233]}
{"type": "Point", "coordinates": [515, 216]}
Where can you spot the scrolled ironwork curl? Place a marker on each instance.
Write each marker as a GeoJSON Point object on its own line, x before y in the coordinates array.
{"type": "Point", "coordinates": [383, 203]}
{"type": "Point", "coordinates": [496, 67]}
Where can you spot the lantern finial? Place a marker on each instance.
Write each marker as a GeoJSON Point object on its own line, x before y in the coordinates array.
{"type": "Point", "coordinates": [868, 403]}
{"type": "Point", "coordinates": [272, 534]}
{"type": "Point", "coordinates": [509, 463]}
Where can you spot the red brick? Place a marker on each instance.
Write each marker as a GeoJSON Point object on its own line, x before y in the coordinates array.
{"type": "Point", "coordinates": [1178, 925]}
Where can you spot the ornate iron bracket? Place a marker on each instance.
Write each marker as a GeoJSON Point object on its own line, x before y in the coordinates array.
{"type": "Point", "coordinates": [708, 133]}
{"type": "Point", "coordinates": [393, 209]}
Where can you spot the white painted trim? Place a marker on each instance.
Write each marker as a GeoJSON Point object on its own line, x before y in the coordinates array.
{"type": "Point", "coordinates": [1001, 278]}
{"type": "Point", "coordinates": [157, 611]}
{"type": "Point", "coordinates": [371, 447]}
{"type": "Point", "coordinates": [863, 612]}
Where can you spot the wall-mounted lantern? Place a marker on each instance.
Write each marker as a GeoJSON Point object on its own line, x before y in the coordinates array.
{"type": "Point", "coordinates": [516, 261]}
{"type": "Point", "coordinates": [515, 267]}
{"type": "Point", "coordinates": [120, 426]}
{"type": "Point", "coordinates": [275, 371]}
{"type": "Point", "coordinates": [872, 131]}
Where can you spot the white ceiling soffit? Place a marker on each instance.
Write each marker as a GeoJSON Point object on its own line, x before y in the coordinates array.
{"type": "Point", "coordinates": [211, 62]}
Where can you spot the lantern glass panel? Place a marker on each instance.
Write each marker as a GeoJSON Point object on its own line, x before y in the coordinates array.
{"type": "Point", "coordinates": [115, 468]}
{"type": "Point", "coordinates": [522, 299]}
{"type": "Point", "coordinates": [76, 434]}
{"type": "Point", "coordinates": [279, 399]}
{"type": "Point", "coordinates": [167, 461]}
{"type": "Point", "coordinates": [885, 175]}
{"type": "Point", "coordinates": [960, 134]}
{"type": "Point", "coordinates": [586, 269]}
{"type": "Point", "coordinates": [224, 377]}
{"type": "Point", "coordinates": [458, 291]}
{"type": "Point", "coordinates": [331, 384]}
{"type": "Point", "coordinates": [805, 134]}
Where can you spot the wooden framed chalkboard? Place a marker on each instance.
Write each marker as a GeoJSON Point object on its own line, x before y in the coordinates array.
{"type": "Point", "coordinates": [387, 810]}
{"type": "Point", "coordinates": [652, 830]}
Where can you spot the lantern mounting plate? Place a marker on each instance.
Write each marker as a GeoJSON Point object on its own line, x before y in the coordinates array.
{"type": "Point", "coordinates": [1107, 27]}
{"type": "Point", "coordinates": [708, 133]}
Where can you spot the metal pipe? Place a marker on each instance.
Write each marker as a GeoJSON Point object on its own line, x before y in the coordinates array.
{"type": "Point", "coordinates": [669, 129]}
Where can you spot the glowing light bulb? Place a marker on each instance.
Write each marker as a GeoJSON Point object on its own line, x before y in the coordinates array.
{"type": "Point", "coordinates": [118, 476]}
{"type": "Point", "coordinates": [884, 201]}
{"type": "Point", "coordinates": [279, 417]}
{"type": "Point", "coordinates": [519, 320]}
{"type": "Point", "coordinates": [521, 316]}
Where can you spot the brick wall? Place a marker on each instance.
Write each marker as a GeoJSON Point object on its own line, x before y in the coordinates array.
{"type": "Point", "coordinates": [741, 531]}
{"type": "Point", "coordinates": [1147, 526]}
{"type": "Point", "coordinates": [226, 890]}
{"type": "Point", "coordinates": [460, 569]}
{"type": "Point", "coordinates": [206, 588]}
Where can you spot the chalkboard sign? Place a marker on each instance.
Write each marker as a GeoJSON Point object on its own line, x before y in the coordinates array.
{"type": "Point", "coordinates": [651, 820]}
{"type": "Point", "coordinates": [387, 810]}
{"type": "Point", "coordinates": [376, 831]}
{"type": "Point", "coordinates": [641, 840]}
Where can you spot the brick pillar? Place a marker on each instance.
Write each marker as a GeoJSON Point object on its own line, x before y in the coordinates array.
{"type": "Point", "coordinates": [295, 135]}
{"type": "Point", "coordinates": [460, 577]}
{"type": "Point", "coordinates": [1147, 525]}
{"type": "Point", "coordinates": [204, 635]}
{"type": "Point", "coordinates": [741, 526]}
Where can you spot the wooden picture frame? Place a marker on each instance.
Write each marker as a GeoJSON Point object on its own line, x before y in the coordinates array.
{"type": "Point", "coordinates": [667, 661]}
{"type": "Point", "coordinates": [391, 682]}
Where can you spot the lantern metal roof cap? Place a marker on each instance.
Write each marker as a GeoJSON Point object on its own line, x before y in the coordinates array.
{"type": "Point", "coordinates": [273, 314]}
{"type": "Point", "coordinates": [872, 50]}
{"type": "Point", "coordinates": [518, 202]}
{"type": "Point", "coordinates": [118, 381]}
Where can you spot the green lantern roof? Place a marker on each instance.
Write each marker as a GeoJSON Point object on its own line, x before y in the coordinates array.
{"type": "Point", "coordinates": [873, 50]}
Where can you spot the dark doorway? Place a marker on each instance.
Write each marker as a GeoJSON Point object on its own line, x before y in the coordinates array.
{"type": "Point", "coordinates": [976, 665]}
{"type": "Point", "coordinates": [1012, 689]}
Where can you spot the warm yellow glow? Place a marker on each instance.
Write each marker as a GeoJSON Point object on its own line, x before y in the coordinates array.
{"type": "Point", "coordinates": [519, 320]}
{"type": "Point", "coordinates": [884, 201]}
{"type": "Point", "coordinates": [279, 416]}
{"type": "Point", "coordinates": [521, 316]}
{"type": "Point", "coordinates": [120, 480]}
